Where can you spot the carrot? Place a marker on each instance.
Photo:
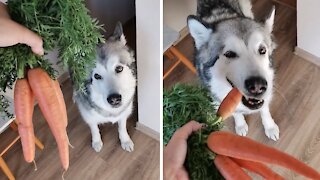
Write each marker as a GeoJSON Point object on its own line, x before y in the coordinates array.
{"type": "Point", "coordinates": [61, 101]}
{"type": "Point", "coordinates": [229, 169]}
{"type": "Point", "coordinates": [23, 107]}
{"type": "Point", "coordinates": [258, 168]}
{"type": "Point", "coordinates": [227, 144]}
{"type": "Point", "coordinates": [229, 103]}
{"type": "Point", "coordinates": [49, 98]}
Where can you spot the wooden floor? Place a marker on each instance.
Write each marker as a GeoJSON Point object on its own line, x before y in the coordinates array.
{"type": "Point", "coordinates": [85, 164]}
{"type": "Point", "coordinates": [296, 103]}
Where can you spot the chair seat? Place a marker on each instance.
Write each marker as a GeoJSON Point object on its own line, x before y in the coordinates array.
{"type": "Point", "coordinates": [169, 37]}
{"type": "Point", "coordinates": [4, 120]}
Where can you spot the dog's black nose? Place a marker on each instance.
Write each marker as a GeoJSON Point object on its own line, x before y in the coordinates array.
{"type": "Point", "coordinates": [114, 99]}
{"type": "Point", "coordinates": [256, 85]}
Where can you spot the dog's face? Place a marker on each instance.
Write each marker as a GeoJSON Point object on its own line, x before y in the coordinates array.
{"type": "Point", "coordinates": [240, 51]}
{"type": "Point", "coordinates": [113, 79]}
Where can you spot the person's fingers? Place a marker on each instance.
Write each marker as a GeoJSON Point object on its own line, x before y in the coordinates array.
{"type": "Point", "coordinates": [14, 33]}
{"type": "Point", "coordinates": [185, 131]}
{"type": "Point", "coordinates": [32, 39]}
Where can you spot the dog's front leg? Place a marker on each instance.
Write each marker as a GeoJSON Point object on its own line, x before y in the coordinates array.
{"type": "Point", "coordinates": [126, 142]}
{"type": "Point", "coordinates": [241, 125]}
{"type": "Point", "coordinates": [271, 129]}
{"type": "Point", "coordinates": [96, 137]}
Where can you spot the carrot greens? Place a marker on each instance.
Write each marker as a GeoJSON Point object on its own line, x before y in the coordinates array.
{"type": "Point", "coordinates": [181, 104]}
{"type": "Point", "coordinates": [65, 25]}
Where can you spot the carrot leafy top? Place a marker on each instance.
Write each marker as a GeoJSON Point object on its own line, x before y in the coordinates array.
{"type": "Point", "coordinates": [62, 24]}
{"type": "Point", "coordinates": [180, 105]}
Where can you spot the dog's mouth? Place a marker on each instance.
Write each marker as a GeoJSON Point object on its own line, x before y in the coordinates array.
{"type": "Point", "coordinates": [250, 102]}
{"type": "Point", "coordinates": [116, 105]}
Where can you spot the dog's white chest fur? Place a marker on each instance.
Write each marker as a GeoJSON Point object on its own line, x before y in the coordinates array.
{"type": "Point", "coordinates": [94, 117]}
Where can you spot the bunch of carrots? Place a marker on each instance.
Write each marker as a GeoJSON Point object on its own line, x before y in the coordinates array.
{"type": "Point", "coordinates": [233, 153]}
{"type": "Point", "coordinates": [38, 85]}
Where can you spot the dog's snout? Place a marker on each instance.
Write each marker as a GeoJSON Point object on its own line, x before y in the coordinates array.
{"type": "Point", "coordinates": [256, 85]}
{"type": "Point", "coordinates": [114, 99]}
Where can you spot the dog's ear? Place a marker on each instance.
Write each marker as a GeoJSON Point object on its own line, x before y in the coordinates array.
{"type": "Point", "coordinates": [118, 34]}
{"type": "Point", "coordinates": [270, 20]}
{"type": "Point", "coordinates": [101, 51]}
{"type": "Point", "coordinates": [199, 32]}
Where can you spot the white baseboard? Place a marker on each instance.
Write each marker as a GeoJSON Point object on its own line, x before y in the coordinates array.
{"type": "Point", "coordinates": [146, 130]}
{"type": "Point", "coordinates": [307, 56]}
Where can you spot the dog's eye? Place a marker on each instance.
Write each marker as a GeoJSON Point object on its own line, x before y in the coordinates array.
{"type": "Point", "coordinates": [119, 69]}
{"type": "Point", "coordinates": [97, 76]}
{"type": "Point", "coordinates": [230, 54]}
{"type": "Point", "coordinates": [262, 50]}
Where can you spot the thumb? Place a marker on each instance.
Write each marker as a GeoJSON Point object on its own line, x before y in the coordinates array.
{"type": "Point", "coordinates": [185, 131]}
{"type": "Point", "coordinates": [31, 39]}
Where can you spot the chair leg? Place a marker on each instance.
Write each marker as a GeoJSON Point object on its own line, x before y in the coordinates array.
{"type": "Point", "coordinates": [6, 169]}
{"type": "Point", "coordinates": [166, 74]}
{"type": "Point", "coordinates": [39, 143]}
{"type": "Point", "coordinates": [168, 54]}
{"type": "Point", "coordinates": [183, 59]}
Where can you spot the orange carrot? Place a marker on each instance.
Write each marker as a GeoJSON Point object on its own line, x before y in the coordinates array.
{"type": "Point", "coordinates": [23, 107]}
{"type": "Point", "coordinates": [61, 101]}
{"type": "Point", "coordinates": [258, 168]}
{"type": "Point", "coordinates": [229, 103]}
{"type": "Point", "coordinates": [49, 99]}
{"type": "Point", "coordinates": [231, 145]}
{"type": "Point", "coordinates": [229, 169]}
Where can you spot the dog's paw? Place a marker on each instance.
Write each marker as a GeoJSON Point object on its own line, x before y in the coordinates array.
{"type": "Point", "coordinates": [242, 130]}
{"type": "Point", "coordinates": [127, 145]}
{"type": "Point", "coordinates": [273, 132]}
{"type": "Point", "coordinates": [97, 146]}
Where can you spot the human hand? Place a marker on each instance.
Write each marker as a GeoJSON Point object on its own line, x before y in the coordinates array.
{"type": "Point", "coordinates": [175, 152]}
{"type": "Point", "coordinates": [13, 33]}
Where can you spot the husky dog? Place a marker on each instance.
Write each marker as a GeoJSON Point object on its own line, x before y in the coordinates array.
{"type": "Point", "coordinates": [234, 50]}
{"type": "Point", "coordinates": [110, 89]}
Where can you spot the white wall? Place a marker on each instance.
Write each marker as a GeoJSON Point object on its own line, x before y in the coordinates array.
{"type": "Point", "coordinates": [148, 62]}
{"type": "Point", "coordinates": [175, 12]}
{"type": "Point", "coordinates": [308, 26]}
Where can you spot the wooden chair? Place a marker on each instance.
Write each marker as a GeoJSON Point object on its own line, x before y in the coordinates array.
{"type": "Point", "coordinates": [172, 53]}
{"type": "Point", "coordinates": [5, 123]}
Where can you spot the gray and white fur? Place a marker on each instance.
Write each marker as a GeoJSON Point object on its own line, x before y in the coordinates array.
{"type": "Point", "coordinates": [233, 49]}
{"type": "Point", "coordinates": [109, 90]}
